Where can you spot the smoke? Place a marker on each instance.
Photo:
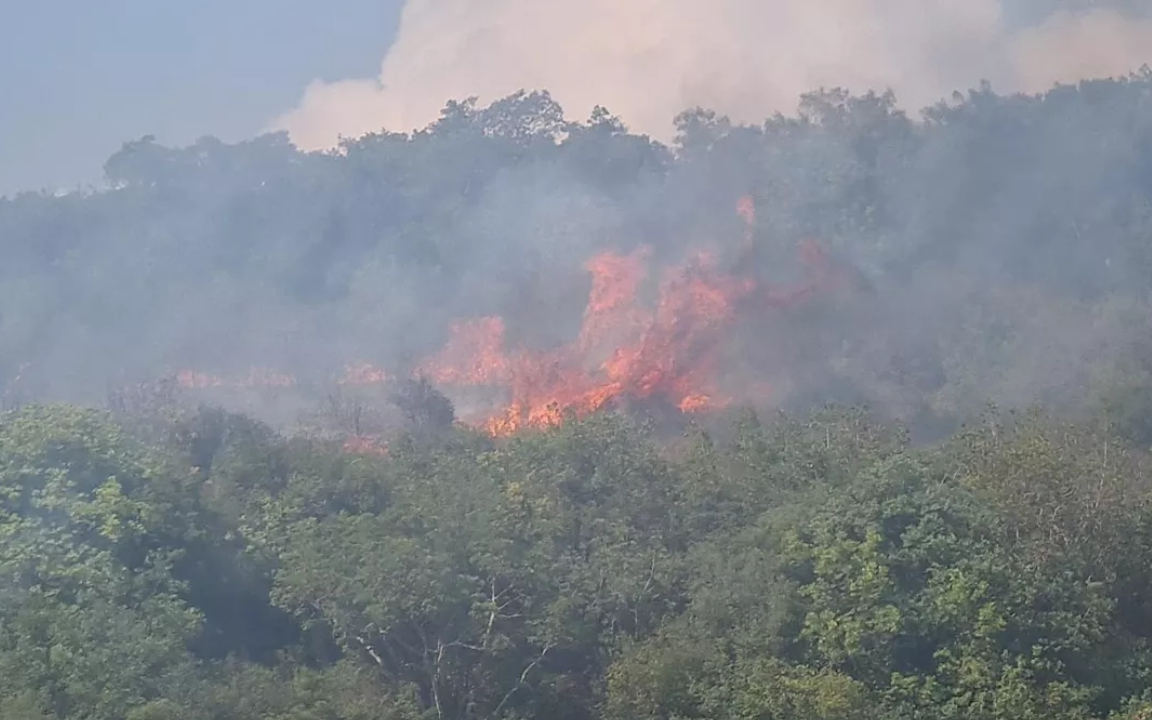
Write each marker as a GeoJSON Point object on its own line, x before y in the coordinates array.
{"type": "Point", "coordinates": [647, 60]}
{"type": "Point", "coordinates": [1000, 249]}
{"type": "Point", "coordinates": [1068, 47]}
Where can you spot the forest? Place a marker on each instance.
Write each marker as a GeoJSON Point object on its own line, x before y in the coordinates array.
{"type": "Point", "coordinates": [843, 416]}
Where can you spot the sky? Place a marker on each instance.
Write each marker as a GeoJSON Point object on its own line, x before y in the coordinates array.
{"type": "Point", "coordinates": [648, 60]}
{"type": "Point", "coordinates": [79, 78]}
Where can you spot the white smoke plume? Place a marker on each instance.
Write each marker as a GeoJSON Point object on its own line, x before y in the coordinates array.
{"type": "Point", "coordinates": [647, 60]}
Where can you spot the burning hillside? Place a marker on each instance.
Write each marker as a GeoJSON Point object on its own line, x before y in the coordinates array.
{"type": "Point", "coordinates": [665, 351]}
{"type": "Point", "coordinates": [625, 351]}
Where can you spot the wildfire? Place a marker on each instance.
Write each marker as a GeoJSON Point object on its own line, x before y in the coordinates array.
{"type": "Point", "coordinates": [363, 374]}
{"type": "Point", "coordinates": [474, 355]}
{"type": "Point", "coordinates": [627, 349]}
{"type": "Point", "coordinates": [624, 350]}
{"type": "Point", "coordinates": [257, 377]}
{"type": "Point", "coordinates": [365, 445]}
{"type": "Point", "coordinates": [357, 374]}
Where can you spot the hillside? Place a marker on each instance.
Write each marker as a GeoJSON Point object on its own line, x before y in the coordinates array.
{"type": "Point", "coordinates": [844, 416]}
{"type": "Point", "coordinates": [992, 250]}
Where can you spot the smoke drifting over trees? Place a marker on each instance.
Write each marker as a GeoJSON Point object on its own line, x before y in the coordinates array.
{"type": "Point", "coordinates": [995, 245]}
{"type": "Point", "coordinates": [649, 59]}
{"type": "Point", "coordinates": [517, 417]}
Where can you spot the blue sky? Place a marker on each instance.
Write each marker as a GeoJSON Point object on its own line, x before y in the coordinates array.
{"type": "Point", "coordinates": [78, 78]}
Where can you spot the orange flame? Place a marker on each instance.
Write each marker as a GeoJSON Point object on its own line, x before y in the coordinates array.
{"type": "Point", "coordinates": [257, 377]}
{"type": "Point", "coordinates": [668, 350]}
{"type": "Point", "coordinates": [623, 350]}
{"type": "Point", "coordinates": [473, 356]}
{"type": "Point", "coordinates": [363, 374]}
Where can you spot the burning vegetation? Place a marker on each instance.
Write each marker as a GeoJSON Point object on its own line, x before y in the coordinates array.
{"type": "Point", "coordinates": [377, 552]}
{"type": "Point", "coordinates": [665, 352]}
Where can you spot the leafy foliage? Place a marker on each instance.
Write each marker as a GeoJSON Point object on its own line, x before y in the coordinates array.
{"type": "Point", "coordinates": [803, 568]}
{"type": "Point", "coordinates": [165, 561]}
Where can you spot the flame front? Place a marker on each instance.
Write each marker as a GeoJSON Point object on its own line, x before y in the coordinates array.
{"type": "Point", "coordinates": [624, 350]}
{"type": "Point", "coordinates": [666, 350]}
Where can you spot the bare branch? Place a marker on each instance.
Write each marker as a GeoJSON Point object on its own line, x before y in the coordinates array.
{"type": "Point", "coordinates": [520, 682]}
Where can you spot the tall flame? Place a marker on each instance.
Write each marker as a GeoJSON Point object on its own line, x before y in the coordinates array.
{"type": "Point", "coordinates": [666, 350]}
{"type": "Point", "coordinates": [623, 350]}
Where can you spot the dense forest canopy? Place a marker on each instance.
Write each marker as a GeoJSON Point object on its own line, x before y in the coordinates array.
{"type": "Point", "coordinates": [996, 245]}
{"type": "Point", "coordinates": [847, 415]}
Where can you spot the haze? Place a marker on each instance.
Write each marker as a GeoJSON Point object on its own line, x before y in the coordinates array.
{"type": "Point", "coordinates": [79, 79]}
{"type": "Point", "coordinates": [647, 60]}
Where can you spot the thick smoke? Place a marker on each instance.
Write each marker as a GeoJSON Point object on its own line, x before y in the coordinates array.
{"type": "Point", "coordinates": [998, 244]}
{"type": "Point", "coordinates": [647, 60]}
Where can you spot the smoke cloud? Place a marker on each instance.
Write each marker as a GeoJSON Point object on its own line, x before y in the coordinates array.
{"type": "Point", "coordinates": [647, 60]}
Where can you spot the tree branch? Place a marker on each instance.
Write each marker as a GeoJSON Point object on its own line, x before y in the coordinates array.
{"type": "Point", "coordinates": [520, 682]}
